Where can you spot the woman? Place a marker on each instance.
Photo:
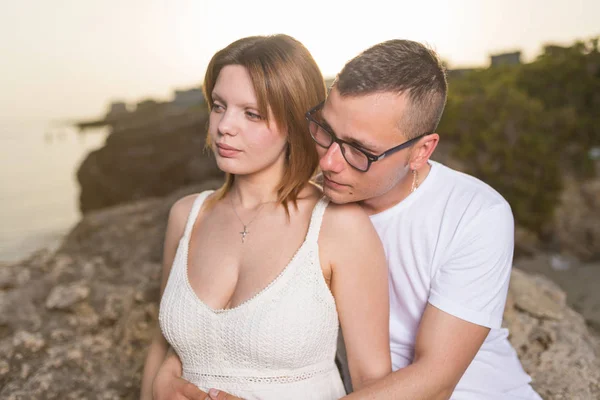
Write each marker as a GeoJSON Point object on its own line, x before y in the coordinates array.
{"type": "Point", "coordinates": [257, 274]}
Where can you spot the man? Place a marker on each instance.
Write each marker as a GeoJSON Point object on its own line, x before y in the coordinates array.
{"type": "Point", "coordinates": [448, 237]}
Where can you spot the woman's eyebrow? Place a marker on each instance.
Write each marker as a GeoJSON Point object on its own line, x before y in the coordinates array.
{"type": "Point", "coordinates": [215, 96]}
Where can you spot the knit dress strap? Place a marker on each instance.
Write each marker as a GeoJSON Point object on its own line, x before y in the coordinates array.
{"type": "Point", "coordinates": [316, 220]}
{"type": "Point", "coordinates": [197, 205]}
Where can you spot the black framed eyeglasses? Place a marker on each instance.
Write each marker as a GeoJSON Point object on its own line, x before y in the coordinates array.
{"type": "Point", "coordinates": [357, 158]}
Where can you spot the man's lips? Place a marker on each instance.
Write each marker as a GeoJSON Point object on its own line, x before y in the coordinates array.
{"type": "Point", "coordinates": [331, 182]}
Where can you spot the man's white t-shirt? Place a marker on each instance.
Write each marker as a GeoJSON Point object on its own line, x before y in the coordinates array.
{"type": "Point", "coordinates": [450, 243]}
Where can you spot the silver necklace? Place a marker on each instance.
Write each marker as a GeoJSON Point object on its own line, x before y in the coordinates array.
{"type": "Point", "coordinates": [245, 232]}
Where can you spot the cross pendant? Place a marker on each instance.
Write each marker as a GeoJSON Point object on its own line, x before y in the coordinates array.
{"type": "Point", "coordinates": [244, 233]}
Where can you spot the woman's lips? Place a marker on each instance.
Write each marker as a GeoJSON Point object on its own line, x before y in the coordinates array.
{"type": "Point", "coordinates": [227, 151]}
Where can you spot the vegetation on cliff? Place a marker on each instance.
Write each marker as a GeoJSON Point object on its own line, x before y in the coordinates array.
{"type": "Point", "coordinates": [522, 128]}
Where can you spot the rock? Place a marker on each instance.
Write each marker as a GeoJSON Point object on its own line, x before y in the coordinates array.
{"type": "Point", "coordinates": [107, 273]}
{"type": "Point", "coordinates": [114, 307]}
{"type": "Point", "coordinates": [4, 367]}
{"type": "Point", "coordinates": [147, 161]}
{"type": "Point", "coordinates": [139, 296]}
{"type": "Point", "coordinates": [41, 383]}
{"type": "Point", "coordinates": [61, 335]}
{"type": "Point", "coordinates": [75, 355]}
{"type": "Point", "coordinates": [61, 262]}
{"type": "Point", "coordinates": [64, 297]}
{"type": "Point", "coordinates": [13, 277]}
{"type": "Point", "coordinates": [553, 342]}
{"type": "Point", "coordinates": [536, 296]}
{"type": "Point", "coordinates": [526, 242]}
{"type": "Point", "coordinates": [86, 316]}
{"type": "Point", "coordinates": [7, 281]}
{"type": "Point", "coordinates": [579, 281]}
{"type": "Point", "coordinates": [88, 270]}
{"type": "Point", "coordinates": [590, 191]}
{"type": "Point", "coordinates": [25, 371]}
{"type": "Point", "coordinates": [30, 341]}
{"type": "Point", "coordinates": [23, 277]}
{"type": "Point", "coordinates": [577, 219]}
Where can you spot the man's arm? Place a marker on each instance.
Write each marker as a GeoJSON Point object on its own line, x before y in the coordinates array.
{"type": "Point", "coordinates": [467, 298]}
{"type": "Point", "coordinates": [445, 347]}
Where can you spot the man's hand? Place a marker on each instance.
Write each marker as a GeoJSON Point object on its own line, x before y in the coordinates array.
{"type": "Point", "coordinates": [172, 387]}
{"type": "Point", "coordinates": [220, 395]}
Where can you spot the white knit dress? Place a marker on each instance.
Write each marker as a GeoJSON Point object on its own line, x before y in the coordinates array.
{"type": "Point", "coordinates": [279, 344]}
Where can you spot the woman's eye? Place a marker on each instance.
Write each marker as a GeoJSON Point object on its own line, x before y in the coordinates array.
{"type": "Point", "coordinates": [217, 107]}
{"type": "Point", "coordinates": [253, 115]}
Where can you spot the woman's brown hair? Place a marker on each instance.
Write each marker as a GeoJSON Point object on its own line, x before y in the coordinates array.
{"type": "Point", "coordinates": [288, 82]}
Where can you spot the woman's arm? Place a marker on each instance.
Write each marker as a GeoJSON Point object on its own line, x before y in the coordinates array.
{"type": "Point", "coordinates": [169, 385]}
{"type": "Point", "coordinates": [158, 349]}
{"type": "Point", "coordinates": [359, 284]}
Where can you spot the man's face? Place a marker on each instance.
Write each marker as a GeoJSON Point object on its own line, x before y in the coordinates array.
{"type": "Point", "coordinates": [371, 123]}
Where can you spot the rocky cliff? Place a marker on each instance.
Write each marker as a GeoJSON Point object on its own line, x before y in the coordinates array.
{"type": "Point", "coordinates": [151, 158]}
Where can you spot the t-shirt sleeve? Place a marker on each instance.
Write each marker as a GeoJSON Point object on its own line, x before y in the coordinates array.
{"type": "Point", "coordinates": [473, 282]}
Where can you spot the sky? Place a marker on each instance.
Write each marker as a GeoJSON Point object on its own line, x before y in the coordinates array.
{"type": "Point", "coordinates": [68, 59]}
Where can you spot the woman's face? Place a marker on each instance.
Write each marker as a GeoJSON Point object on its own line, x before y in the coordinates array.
{"type": "Point", "coordinates": [241, 139]}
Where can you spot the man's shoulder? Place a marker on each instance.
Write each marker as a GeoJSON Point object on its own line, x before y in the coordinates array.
{"type": "Point", "coordinates": [467, 191]}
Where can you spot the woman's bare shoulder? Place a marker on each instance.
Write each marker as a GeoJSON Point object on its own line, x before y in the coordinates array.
{"type": "Point", "coordinates": [181, 208]}
{"type": "Point", "coordinates": [346, 229]}
{"type": "Point", "coordinates": [342, 217]}
{"type": "Point", "coordinates": [180, 211]}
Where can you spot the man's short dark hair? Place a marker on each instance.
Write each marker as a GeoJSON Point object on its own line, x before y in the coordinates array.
{"type": "Point", "coordinates": [402, 67]}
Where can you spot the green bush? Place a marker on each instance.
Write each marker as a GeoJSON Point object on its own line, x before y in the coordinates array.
{"type": "Point", "coordinates": [567, 81]}
{"type": "Point", "coordinates": [521, 128]}
{"type": "Point", "coordinates": [503, 136]}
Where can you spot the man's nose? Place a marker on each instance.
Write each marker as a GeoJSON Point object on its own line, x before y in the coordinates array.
{"type": "Point", "coordinates": [332, 160]}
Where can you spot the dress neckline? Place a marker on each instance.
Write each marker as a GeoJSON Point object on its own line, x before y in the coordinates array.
{"type": "Point", "coordinates": [186, 245]}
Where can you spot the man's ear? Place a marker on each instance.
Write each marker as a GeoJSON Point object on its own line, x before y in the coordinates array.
{"type": "Point", "coordinates": [422, 150]}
